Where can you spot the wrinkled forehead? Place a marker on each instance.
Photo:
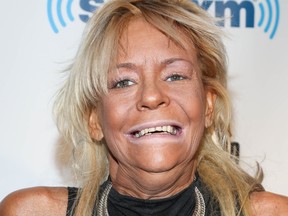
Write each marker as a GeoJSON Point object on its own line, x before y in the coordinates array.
{"type": "Point", "coordinates": [138, 30]}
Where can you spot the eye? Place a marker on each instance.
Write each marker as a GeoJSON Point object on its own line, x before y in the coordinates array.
{"type": "Point", "coordinates": [123, 83]}
{"type": "Point", "coordinates": [175, 77]}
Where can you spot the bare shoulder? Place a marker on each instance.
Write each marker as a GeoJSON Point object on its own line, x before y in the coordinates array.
{"type": "Point", "coordinates": [35, 201]}
{"type": "Point", "coordinates": [269, 204]}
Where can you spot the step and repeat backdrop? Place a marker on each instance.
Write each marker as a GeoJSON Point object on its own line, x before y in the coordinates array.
{"type": "Point", "coordinates": [39, 39]}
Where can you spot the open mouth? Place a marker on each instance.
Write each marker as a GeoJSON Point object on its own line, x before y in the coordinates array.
{"type": "Point", "coordinates": [167, 129]}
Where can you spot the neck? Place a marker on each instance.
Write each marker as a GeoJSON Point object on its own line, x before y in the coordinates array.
{"type": "Point", "coordinates": [141, 184]}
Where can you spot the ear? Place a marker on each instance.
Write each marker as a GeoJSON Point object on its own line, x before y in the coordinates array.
{"type": "Point", "coordinates": [210, 103]}
{"type": "Point", "coordinates": [95, 129]}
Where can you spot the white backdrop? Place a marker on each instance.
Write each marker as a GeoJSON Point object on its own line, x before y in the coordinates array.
{"type": "Point", "coordinates": [32, 56]}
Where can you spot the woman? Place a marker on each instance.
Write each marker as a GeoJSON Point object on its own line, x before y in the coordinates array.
{"type": "Point", "coordinates": [146, 108]}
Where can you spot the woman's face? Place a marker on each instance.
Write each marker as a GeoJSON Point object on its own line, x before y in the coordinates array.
{"type": "Point", "coordinates": [154, 114]}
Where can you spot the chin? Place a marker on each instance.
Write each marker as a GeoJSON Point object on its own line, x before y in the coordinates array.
{"type": "Point", "coordinates": [158, 164]}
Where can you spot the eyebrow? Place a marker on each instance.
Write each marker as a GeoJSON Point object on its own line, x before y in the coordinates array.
{"type": "Point", "coordinates": [172, 60]}
{"type": "Point", "coordinates": [164, 62]}
{"type": "Point", "coordinates": [126, 65]}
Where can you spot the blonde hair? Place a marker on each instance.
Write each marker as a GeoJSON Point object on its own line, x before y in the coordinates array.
{"type": "Point", "coordinates": [87, 81]}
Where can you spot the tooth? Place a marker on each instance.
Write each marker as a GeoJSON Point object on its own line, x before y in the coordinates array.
{"type": "Point", "coordinates": [164, 128]}
{"type": "Point", "coordinates": [158, 129]}
{"type": "Point", "coordinates": [169, 129]}
{"type": "Point", "coordinates": [174, 131]}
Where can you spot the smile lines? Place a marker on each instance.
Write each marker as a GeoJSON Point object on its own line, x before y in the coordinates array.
{"type": "Point", "coordinates": [162, 129]}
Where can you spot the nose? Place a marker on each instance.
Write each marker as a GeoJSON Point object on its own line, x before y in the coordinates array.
{"type": "Point", "coordinates": [152, 96]}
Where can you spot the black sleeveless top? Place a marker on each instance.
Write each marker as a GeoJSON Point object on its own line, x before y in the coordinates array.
{"type": "Point", "coordinates": [181, 204]}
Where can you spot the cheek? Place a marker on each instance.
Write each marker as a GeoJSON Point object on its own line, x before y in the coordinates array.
{"type": "Point", "coordinates": [108, 117]}
{"type": "Point", "coordinates": [113, 117]}
{"type": "Point", "coordinates": [192, 101]}
{"type": "Point", "coordinates": [110, 122]}
{"type": "Point", "coordinates": [112, 110]}
{"type": "Point", "coordinates": [198, 108]}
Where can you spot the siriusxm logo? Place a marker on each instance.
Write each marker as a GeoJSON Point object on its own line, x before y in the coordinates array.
{"type": "Point", "coordinates": [242, 13]}
{"type": "Point", "coordinates": [236, 7]}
